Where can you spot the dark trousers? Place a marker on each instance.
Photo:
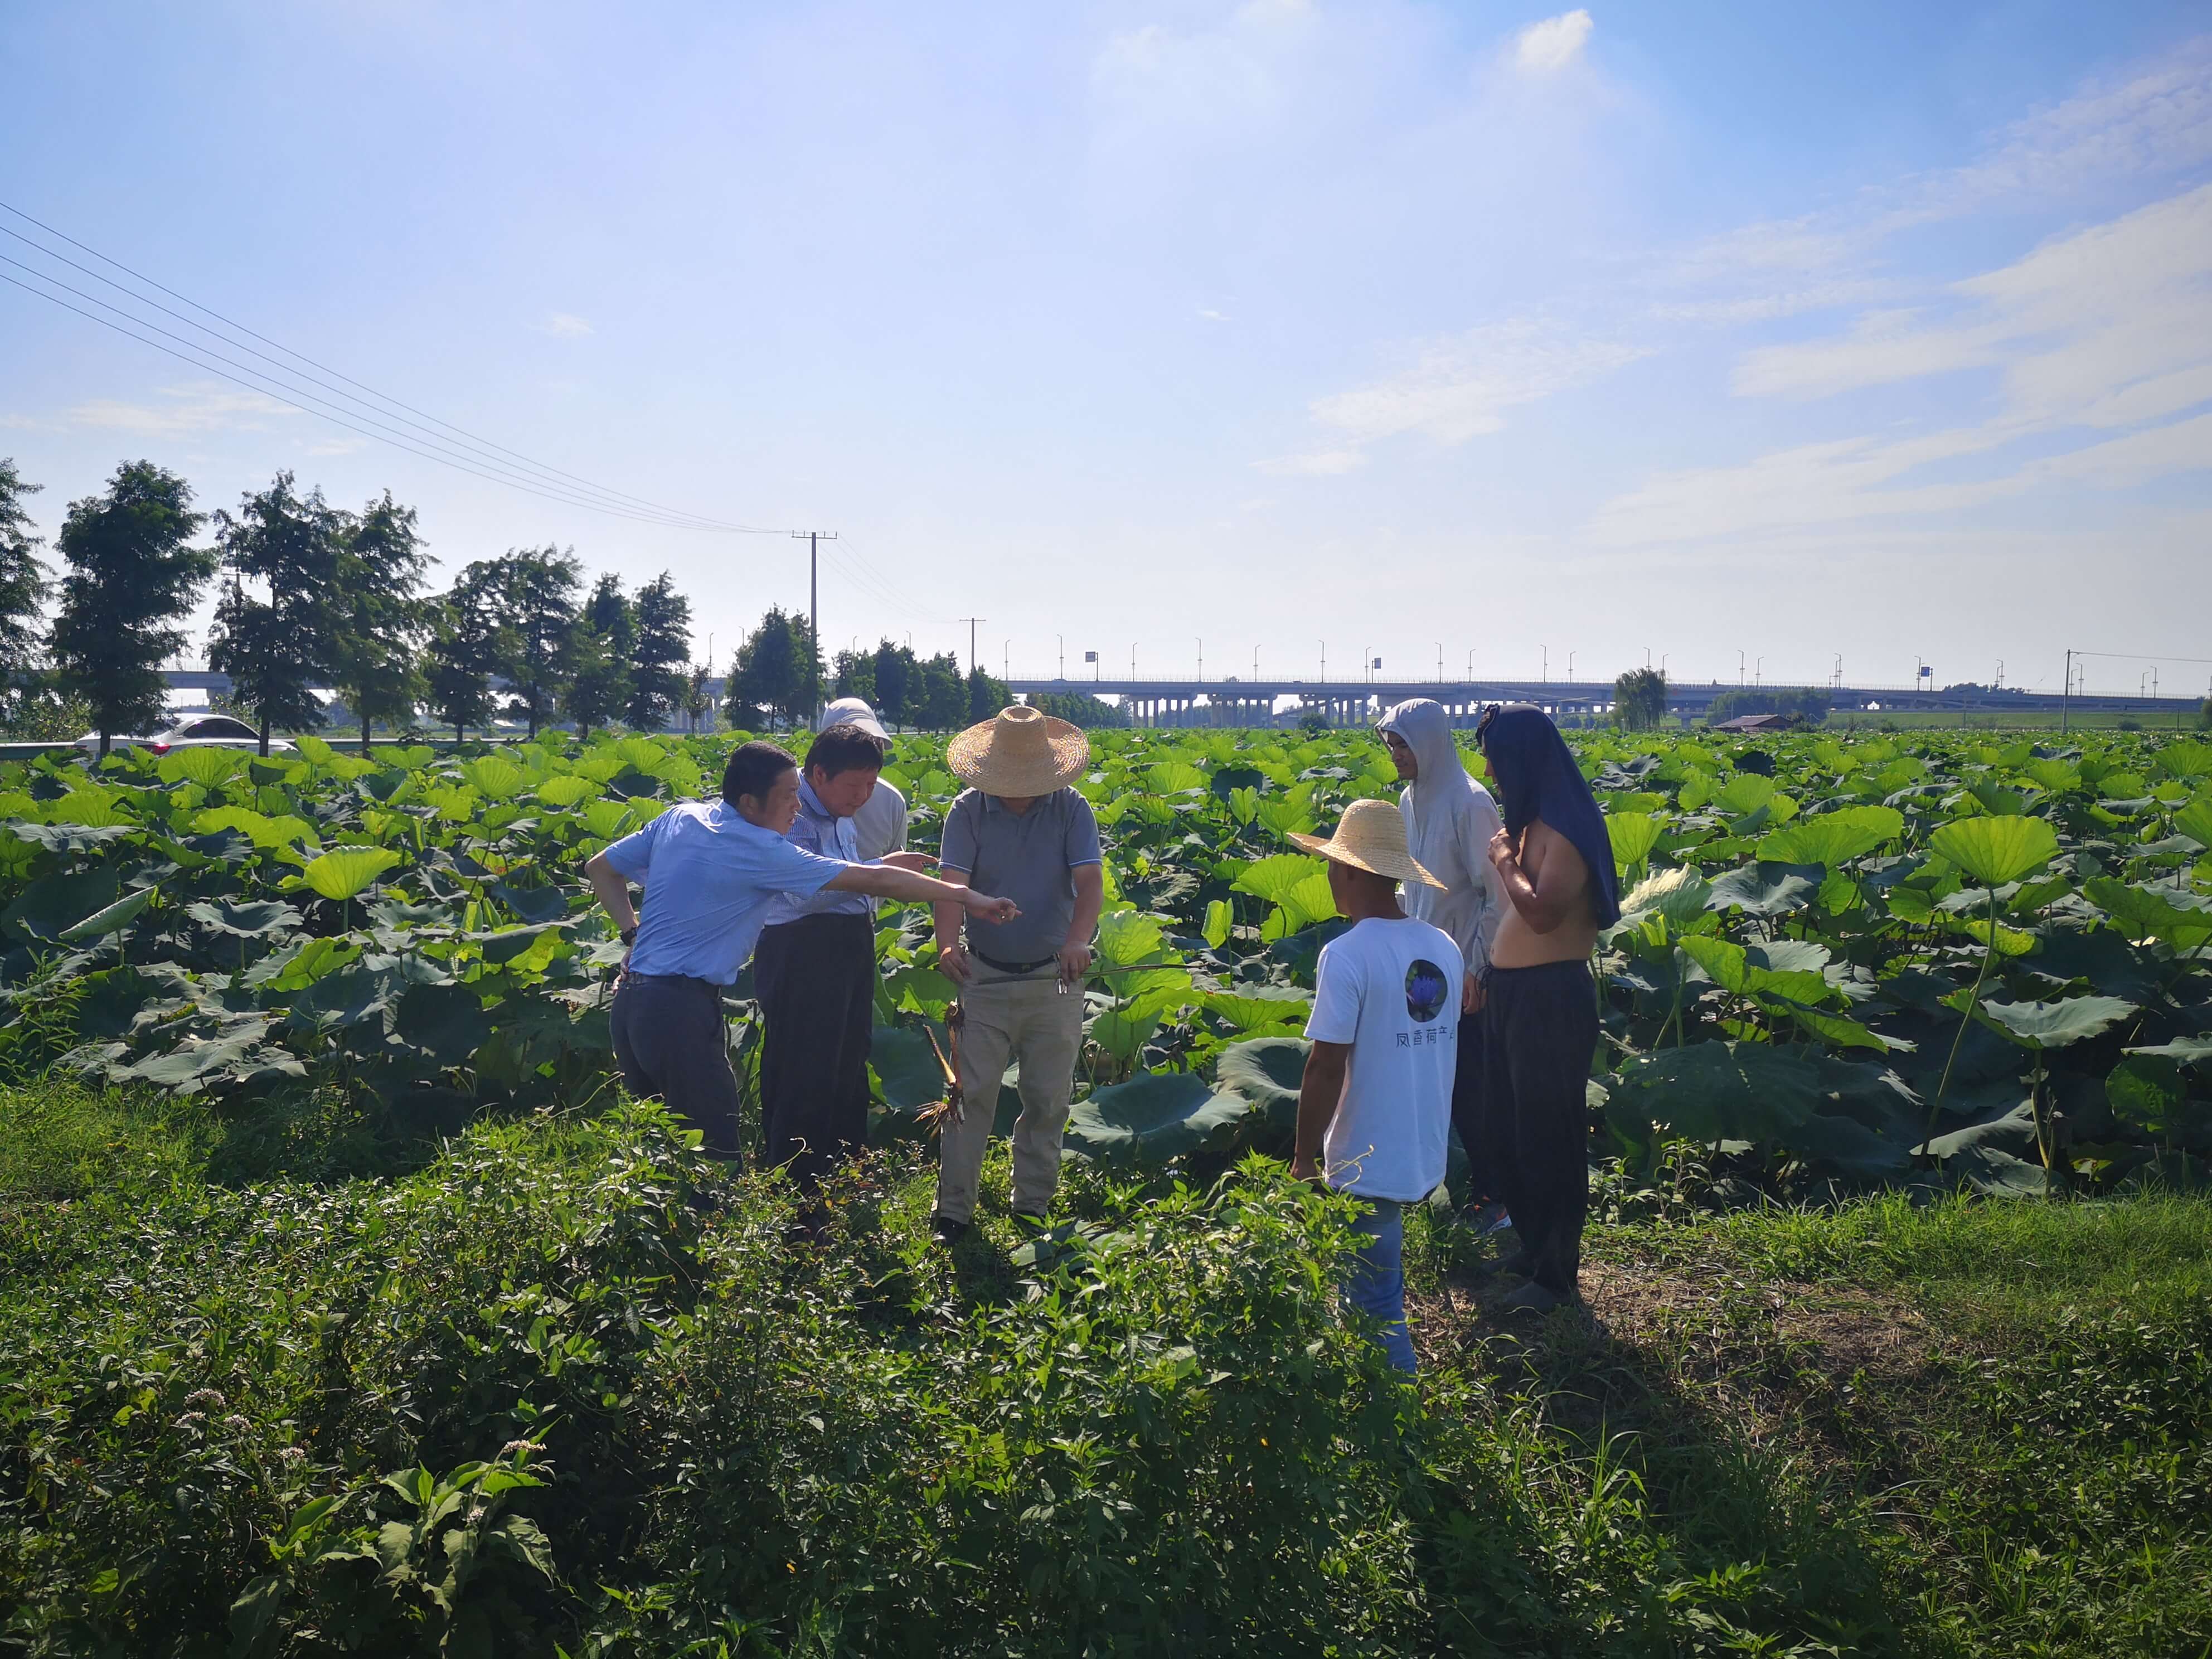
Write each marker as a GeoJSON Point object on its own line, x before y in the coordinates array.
{"type": "Point", "coordinates": [670, 1043]}
{"type": "Point", "coordinates": [1467, 1112]}
{"type": "Point", "coordinates": [1538, 1027]}
{"type": "Point", "coordinates": [816, 978]}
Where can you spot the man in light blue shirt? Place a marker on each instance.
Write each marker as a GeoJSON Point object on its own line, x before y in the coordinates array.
{"type": "Point", "coordinates": [815, 973]}
{"type": "Point", "coordinates": [711, 870]}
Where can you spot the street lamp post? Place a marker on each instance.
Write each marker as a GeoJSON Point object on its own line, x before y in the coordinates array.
{"type": "Point", "coordinates": [1201, 662]}
{"type": "Point", "coordinates": [1366, 659]}
{"type": "Point", "coordinates": [1470, 664]}
{"type": "Point", "coordinates": [1062, 638]}
{"type": "Point", "coordinates": [1324, 662]}
{"type": "Point", "coordinates": [1759, 672]}
{"type": "Point", "coordinates": [1547, 650]}
{"type": "Point", "coordinates": [1570, 668]}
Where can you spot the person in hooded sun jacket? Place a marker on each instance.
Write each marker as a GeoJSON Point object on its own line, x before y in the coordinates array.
{"type": "Point", "coordinates": [1450, 821]}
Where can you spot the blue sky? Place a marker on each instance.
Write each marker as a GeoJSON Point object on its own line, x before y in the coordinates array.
{"type": "Point", "coordinates": [1882, 331]}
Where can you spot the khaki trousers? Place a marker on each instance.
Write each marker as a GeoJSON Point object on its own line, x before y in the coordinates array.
{"type": "Point", "coordinates": [1023, 1018]}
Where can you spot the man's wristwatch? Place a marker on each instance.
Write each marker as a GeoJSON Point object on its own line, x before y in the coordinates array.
{"type": "Point", "coordinates": [630, 936]}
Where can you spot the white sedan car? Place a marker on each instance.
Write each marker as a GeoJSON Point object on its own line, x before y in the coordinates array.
{"type": "Point", "coordinates": [206, 730]}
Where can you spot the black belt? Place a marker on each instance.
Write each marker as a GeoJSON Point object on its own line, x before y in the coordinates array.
{"type": "Point", "coordinates": [1013, 967]}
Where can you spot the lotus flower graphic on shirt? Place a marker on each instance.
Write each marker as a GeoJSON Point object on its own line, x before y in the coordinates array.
{"type": "Point", "coordinates": [1426, 990]}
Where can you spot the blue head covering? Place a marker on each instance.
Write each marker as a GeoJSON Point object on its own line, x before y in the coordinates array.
{"type": "Point", "coordinates": [1537, 778]}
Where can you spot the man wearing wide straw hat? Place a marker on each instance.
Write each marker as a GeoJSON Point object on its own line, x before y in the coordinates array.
{"type": "Point", "coordinates": [1374, 1105]}
{"type": "Point", "coordinates": [1019, 829]}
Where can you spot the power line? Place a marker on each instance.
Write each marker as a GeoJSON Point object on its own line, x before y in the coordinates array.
{"type": "Point", "coordinates": [501, 474]}
{"type": "Point", "coordinates": [443, 460]}
{"type": "Point", "coordinates": [476, 451]}
{"type": "Point", "coordinates": [573, 483]}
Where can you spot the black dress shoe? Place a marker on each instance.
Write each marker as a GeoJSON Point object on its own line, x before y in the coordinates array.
{"type": "Point", "coordinates": [946, 1231]}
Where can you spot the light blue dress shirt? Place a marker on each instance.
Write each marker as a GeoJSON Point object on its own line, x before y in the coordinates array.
{"type": "Point", "coordinates": [709, 876]}
{"type": "Point", "coordinates": [819, 830]}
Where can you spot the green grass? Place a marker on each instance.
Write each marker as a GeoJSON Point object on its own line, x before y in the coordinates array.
{"type": "Point", "coordinates": [1950, 1429]}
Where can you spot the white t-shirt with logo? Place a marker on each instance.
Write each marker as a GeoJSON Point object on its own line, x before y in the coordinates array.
{"type": "Point", "coordinates": [1391, 989]}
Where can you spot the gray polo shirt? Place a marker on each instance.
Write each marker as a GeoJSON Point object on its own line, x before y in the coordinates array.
{"type": "Point", "coordinates": [1028, 857]}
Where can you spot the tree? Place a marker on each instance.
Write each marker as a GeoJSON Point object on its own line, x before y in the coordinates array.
{"type": "Point", "coordinates": [663, 645]}
{"type": "Point", "coordinates": [276, 650]}
{"type": "Point", "coordinates": [130, 577]}
{"type": "Point", "coordinates": [697, 702]}
{"type": "Point", "coordinates": [471, 642]}
{"type": "Point", "coordinates": [985, 695]}
{"type": "Point", "coordinates": [936, 699]}
{"type": "Point", "coordinates": [377, 667]}
{"type": "Point", "coordinates": [854, 675]}
{"type": "Point", "coordinates": [893, 675]}
{"type": "Point", "coordinates": [1808, 704]}
{"type": "Point", "coordinates": [1079, 708]}
{"type": "Point", "coordinates": [599, 655]}
{"type": "Point", "coordinates": [1640, 699]}
{"type": "Point", "coordinates": [23, 589]}
{"type": "Point", "coordinates": [776, 675]}
{"type": "Point", "coordinates": [540, 593]}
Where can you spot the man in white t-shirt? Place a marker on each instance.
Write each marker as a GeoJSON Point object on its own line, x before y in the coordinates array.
{"type": "Point", "coordinates": [1374, 1105]}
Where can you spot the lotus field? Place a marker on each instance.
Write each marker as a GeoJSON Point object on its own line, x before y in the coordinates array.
{"type": "Point", "coordinates": [1843, 963]}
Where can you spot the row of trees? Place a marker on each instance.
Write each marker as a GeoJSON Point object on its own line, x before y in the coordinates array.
{"type": "Point", "coordinates": [779, 677]}
{"type": "Point", "coordinates": [311, 597]}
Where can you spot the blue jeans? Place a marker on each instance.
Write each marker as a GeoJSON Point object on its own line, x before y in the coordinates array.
{"type": "Point", "coordinates": [1375, 1283]}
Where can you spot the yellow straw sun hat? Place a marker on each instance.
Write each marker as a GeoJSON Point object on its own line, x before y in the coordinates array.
{"type": "Point", "coordinates": [1022, 751]}
{"type": "Point", "coordinates": [1371, 836]}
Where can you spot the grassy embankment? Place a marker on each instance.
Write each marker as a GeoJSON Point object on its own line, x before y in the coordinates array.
{"type": "Point", "coordinates": [1954, 1430]}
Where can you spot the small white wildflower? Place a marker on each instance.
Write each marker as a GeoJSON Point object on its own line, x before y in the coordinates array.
{"type": "Point", "coordinates": [206, 1397]}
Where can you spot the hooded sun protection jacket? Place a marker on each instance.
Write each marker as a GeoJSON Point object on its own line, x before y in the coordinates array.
{"type": "Point", "coordinates": [1450, 819]}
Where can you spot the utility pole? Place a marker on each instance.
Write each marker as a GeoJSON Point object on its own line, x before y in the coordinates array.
{"type": "Point", "coordinates": [2066, 697]}
{"type": "Point", "coordinates": [1062, 638]}
{"type": "Point", "coordinates": [971, 621]}
{"type": "Point", "coordinates": [814, 540]}
{"type": "Point", "coordinates": [1201, 660]}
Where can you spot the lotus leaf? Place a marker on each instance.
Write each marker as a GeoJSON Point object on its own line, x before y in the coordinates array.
{"type": "Point", "coordinates": [1249, 1010]}
{"type": "Point", "coordinates": [51, 905]}
{"type": "Point", "coordinates": [567, 791]}
{"type": "Point", "coordinates": [1633, 834]}
{"type": "Point", "coordinates": [2049, 1024]}
{"type": "Point", "coordinates": [1153, 1117]}
{"type": "Point", "coordinates": [1275, 878]}
{"type": "Point", "coordinates": [1128, 938]}
{"type": "Point", "coordinates": [1267, 1073]}
{"type": "Point", "coordinates": [1122, 1033]}
{"type": "Point", "coordinates": [2195, 821]}
{"type": "Point", "coordinates": [1833, 838]}
{"type": "Point", "coordinates": [1766, 889]}
{"type": "Point", "coordinates": [1996, 850]}
{"type": "Point", "coordinates": [255, 920]}
{"type": "Point", "coordinates": [114, 919]}
{"type": "Point", "coordinates": [1217, 922]}
{"type": "Point", "coordinates": [2142, 913]}
{"type": "Point", "coordinates": [447, 1021]}
{"type": "Point", "coordinates": [346, 871]}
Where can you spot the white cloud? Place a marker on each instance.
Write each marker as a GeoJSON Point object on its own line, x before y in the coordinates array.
{"type": "Point", "coordinates": [337, 447]}
{"type": "Point", "coordinates": [564, 325]}
{"type": "Point", "coordinates": [2152, 121]}
{"type": "Point", "coordinates": [2100, 330]}
{"type": "Point", "coordinates": [1461, 387]}
{"type": "Point", "coordinates": [2108, 326]}
{"type": "Point", "coordinates": [1213, 316]}
{"type": "Point", "coordinates": [1554, 44]}
{"type": "Point", "coordinates": [1317, 464]}
{"type": "Point", "coordinates": [201, 406]}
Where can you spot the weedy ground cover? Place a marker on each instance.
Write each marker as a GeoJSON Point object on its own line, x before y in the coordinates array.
{"type": "Point", "coordinates": [563, 1390]}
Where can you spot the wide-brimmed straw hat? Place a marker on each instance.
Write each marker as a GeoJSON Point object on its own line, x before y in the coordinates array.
{"type": "Point", "coordinates": [1371, 836]}
{"type": "Point", "coordinates": [1022, 751]}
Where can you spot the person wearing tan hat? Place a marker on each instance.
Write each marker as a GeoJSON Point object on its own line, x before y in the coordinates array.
{"type": "Point", "coordinates": [1017, 829]}
{"type": "Point", "coordinates": [1374, 1104]}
